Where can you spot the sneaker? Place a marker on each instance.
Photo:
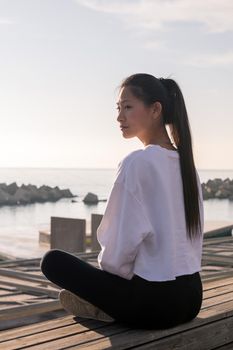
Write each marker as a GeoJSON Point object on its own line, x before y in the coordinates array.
{"type": "Point", "coordinates": [81, 308]}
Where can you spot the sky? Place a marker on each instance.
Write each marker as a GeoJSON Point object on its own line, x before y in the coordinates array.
{"type": "Point", "coordinates": [62, 62]}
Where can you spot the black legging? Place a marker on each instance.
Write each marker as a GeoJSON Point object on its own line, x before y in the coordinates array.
{"type": "Point", "coordinates": [137, 302]}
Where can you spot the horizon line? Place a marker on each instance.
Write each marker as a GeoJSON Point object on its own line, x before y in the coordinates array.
{"type": "Point", "coordinates": [92, 168]}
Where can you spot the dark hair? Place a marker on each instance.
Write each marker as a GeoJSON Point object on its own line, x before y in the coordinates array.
{"type": "Point", "coordinates": [150, 89]}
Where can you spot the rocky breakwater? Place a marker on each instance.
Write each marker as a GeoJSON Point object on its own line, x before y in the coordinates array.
{"type": "Point", "coordinates": [92, 198]}
{"type": "Point", "coordinates": [26, 194]}
{"type": "Point", "coordinates": [218, 188]}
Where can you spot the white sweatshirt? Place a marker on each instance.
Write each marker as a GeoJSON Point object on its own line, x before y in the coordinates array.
{"type": "Point", "coordinates": [143, 230]}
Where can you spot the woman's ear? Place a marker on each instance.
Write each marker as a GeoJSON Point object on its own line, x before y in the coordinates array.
{"type": "Point", "coordinates": [156, 109]}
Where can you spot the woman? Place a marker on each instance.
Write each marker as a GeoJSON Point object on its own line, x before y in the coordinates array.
{"type": "Point", "coordinates": [151, 232]}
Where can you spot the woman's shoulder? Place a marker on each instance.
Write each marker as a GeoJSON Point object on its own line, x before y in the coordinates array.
{"type": "Point", "coordinates": [129, 158]}
{"type": "Point", "coordinates": [151, 159]}
{"type": "Point", "coordinates": [151, 154]}
{"type": "Point", "coordinates": [133, 166]}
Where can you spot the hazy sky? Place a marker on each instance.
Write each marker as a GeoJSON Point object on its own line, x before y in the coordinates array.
{"type": "Point", "coordinates": [61, 62]}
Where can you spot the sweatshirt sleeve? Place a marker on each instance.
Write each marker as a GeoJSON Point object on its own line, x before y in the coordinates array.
{"type": "Point", "coordinates": [122, 229]}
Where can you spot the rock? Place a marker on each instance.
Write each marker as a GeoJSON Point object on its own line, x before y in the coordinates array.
{"type": "Point", "coordinates": [222, 194]}
{"type": "Point", "coordinates": [207, 193]}
{"type": "Point", "coordinates": [32, 191]}
{"type": "Point", "coordinates": [217, 188]}
{"type": "Point", "coordinates": [91, 198]}
{"type": "Point", "coordinates": [4, 197]}
{"type": "Point", "coordinates": [42, 194]}
{"type": "Point", "coordinates": [22, 196]}
{"type": "Point", "coordinates": [66, 193]}
{"type": "Point", "coordinates": [12, 188]}
{"type": "Point", "coordinates": [54, 194]}
{"type": "Point", "coordinates": [3, 186]}
{"type": "Point", "coordinates": [214, 184]}
{"type": "Point", "coordinates": [26, 194]}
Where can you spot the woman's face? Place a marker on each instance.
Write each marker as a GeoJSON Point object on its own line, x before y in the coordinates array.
{"type": "Point", "coordinates": [135, 118]}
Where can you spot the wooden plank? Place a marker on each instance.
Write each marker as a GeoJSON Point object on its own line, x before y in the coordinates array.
{"type": "Point", "coordinates": [50, 335]}
{"type": "Point", "coordinates": [23, 275]}
{"type": "Point", "coordinates": [207, 285]}
{"type": "Point", "coordinates": [220, 260]}
{"type": "Point", "coordinates": [217, 228]}
{"type": "Point", "coordinates": [218, 291]}
{"type": "Point", "coordinates": [228, 346]}
{"type": "Point", "coordinates": [27, 310]}
{"type": "Point", "coordinates": [217, 276]}
{"type": "Point", "coordinates": [53, 293]}
{"type": "Point", "coordinates": [61, 340]}
{"type": "Point", "coordinates": [206, 337]}
{"type": "Point", "coordinates": [19, 297]}
{"type": "Point", "coordinates": [134, 338]}
{"type": "Point", "coordinates": [174, 338]}
{"type": "Point", "coordinates": [218, 311]}
{"type": "Point", "coordinates": [30, 319]}
{"type": "Point", "coordinates": [217, 308]}
{"type": "Point", "coordinates": [21, 262]}
{"type": "Point", "coordinates": [209, 312]}
{"type": "Point", "coordinates": [219, 299]}
{"type": "Point", "coordinates": [74, 341]}
{"type": "Point", "coordinates": [218, 240]}
{"type": "Point", "coordinates": [39, 327]}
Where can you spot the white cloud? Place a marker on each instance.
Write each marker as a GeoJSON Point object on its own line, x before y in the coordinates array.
{"type": "Point", "coordinates": [215, 15]}
{"type": "Point", "coordinates": [207, 60]}
{"type": "Point", "coordinates": [5, 21]}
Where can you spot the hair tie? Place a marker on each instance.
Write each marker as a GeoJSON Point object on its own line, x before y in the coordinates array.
{"type": "Point", "coordinates": [170, 90]}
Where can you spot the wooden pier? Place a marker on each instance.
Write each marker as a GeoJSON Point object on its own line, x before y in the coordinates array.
{"type": "Point", "coordinates": [31, 316]}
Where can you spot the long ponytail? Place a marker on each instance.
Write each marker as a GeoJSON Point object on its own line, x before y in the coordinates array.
{"type": "Point", "coordinates": [177, 118]}
{"type": "Point", "coordinates": [150, 89]}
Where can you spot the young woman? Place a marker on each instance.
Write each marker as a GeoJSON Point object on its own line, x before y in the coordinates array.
{"type": "Point", "coordinates": [151, 232]}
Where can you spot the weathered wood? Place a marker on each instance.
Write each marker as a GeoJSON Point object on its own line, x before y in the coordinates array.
{"type": "Point", "coordinates": [62, 339]}
{"type": "Point", "coordinates": [217, 240]}
{"type": "Point", "coordinates": [226, 347]}
{"type": "Point", "coordinates": [23, 275]}
{"type": "Point", "coordinates": [219, 291]}
{"type": "Point", "coordinates": [219, 299]}
{"type": "Point", "coordinates": [68, 234]}
{"type": "Point", "coordinates": [217, 276]}
{"type": "Point", "coordinates": [95, 222]}
{"type": "Point", "coordinates": [53, 293]}
{"type": "Point", "coordinates": [215, 317]}
{"type": "Point", "coordinates": [207, 285]}
{"type": "Point", "coordinates": [217, 228]}
{"type": "Point", "coordinates": [48, 335]}
{"type": "Point", "coordinates": [25, 310]}
{"type": "Point", "coordinates": [30, 320]}
{"type": "Point", "coordinates": [37, 328]}
{"type": "Point", "coordinates": [218, 311]}
{"type": "Point", "coordinates": [143, 336]}
{"type": "Point", "coordinates": [218, 259]}
{"type": "Point", "coordinates": [206, 337]}
{"type": "Point", "coordinates": [17, 262]}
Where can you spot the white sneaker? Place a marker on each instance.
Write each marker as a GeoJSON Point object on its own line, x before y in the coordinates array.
{"type": "Point", "coordinates": [81, 308]}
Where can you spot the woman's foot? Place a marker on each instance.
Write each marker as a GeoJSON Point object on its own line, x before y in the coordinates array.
{"type": "Point", "coordinates": [82, 308]}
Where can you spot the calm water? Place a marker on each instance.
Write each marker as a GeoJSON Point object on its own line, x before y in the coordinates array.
{"type": "Point", "coordinates": [19, 226]}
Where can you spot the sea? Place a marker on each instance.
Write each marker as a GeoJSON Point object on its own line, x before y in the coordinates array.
{"type": "Point", "coordinates": [20, 225]}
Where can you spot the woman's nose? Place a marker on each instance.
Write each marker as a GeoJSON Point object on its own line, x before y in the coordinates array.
{"type": "Point", "coordinates": [120, 116]}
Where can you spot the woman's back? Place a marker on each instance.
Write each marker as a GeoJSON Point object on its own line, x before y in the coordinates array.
{"type": "Point", "coordinates": [150, 180]}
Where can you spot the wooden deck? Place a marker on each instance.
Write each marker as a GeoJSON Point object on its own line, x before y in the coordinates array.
{"type": "Point", "coordinates": [31, 316]}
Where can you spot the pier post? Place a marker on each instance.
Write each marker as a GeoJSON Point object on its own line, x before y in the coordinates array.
{"type": "Point", "coordinates": [95, 222]}
{"type": "Point", "coordinates": [68, 234]}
